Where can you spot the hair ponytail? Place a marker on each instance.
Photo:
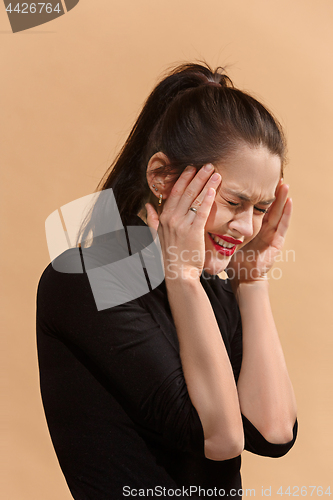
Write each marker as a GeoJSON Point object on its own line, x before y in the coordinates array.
{"type": "Point", "coordinates": [127, 177]}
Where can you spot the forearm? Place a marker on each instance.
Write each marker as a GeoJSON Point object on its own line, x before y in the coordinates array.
{"type": "Point", "coordinates": [265, 391]}
{"type": "Point", "coordinates": [207, 369]}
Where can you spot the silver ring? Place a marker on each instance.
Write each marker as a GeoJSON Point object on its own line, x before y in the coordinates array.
{"type": "Point", "coordinates": [193, 209]}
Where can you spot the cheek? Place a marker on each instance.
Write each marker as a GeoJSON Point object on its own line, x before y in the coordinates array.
{"type": "Point", "coordinates": [257, 226]}
{"type": "Point", "coordinates": [218, 216]}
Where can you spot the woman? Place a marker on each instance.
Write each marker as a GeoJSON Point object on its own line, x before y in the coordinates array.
{"type": "Point", "coordinates": [158, 396]}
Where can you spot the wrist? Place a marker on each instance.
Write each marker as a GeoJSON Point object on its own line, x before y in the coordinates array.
{"type": "Point", "coordinates": [250, 288]}
{"type": "Point", "coordinates": [181, 273]}
{"type": "Point", "coordinates": [182, 281]}
{"type": "Point", "coordinates": [237, 278]}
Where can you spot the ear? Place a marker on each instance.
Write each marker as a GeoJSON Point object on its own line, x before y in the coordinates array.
{"type": "Point", "coordinates": [159, 183]}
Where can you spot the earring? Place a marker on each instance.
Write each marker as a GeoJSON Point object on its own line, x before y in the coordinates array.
{"type": "Point", "coordinates": [160, 199]}
{"type": "Point", "coordinates": [155, 187]}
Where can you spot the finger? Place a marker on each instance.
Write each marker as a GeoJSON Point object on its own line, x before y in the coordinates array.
{"type": "Point", "coordinates": [276, 209]}
{"type": "Point", "coordinates": [182, 196]}
{"type": "Point", "coordinates": [285, 218]}
{"type": "Point", "coordinates": [202, 214]}
{"type": "Point", "coordinates": [197, 188]}
{"type": "Point", "coordinates": [214, 181]}
{"type": "Point", "coordinates": [152, 216]}
{"type": "Point", "coordinates": [178, 188]}
{"type": "Point", "coordinates": [279, 184]}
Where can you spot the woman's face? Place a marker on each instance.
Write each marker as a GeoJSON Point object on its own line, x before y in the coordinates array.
{"type": "Point", "coordinates": [249, 180]}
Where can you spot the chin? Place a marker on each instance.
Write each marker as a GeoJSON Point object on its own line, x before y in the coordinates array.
{"type": "Point", "coordinates": [216, 266]}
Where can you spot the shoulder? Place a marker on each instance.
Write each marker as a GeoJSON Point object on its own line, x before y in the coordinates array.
{"type": "Point", "coordinates": [62, 286]}
{"type": "Point", "coordinates": [66, 267]}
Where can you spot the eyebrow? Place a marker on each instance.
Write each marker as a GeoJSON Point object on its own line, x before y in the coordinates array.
{"type": "Point", "coordinates": [242, 196]}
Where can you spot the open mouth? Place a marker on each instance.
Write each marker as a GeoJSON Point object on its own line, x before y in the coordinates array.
{"type": "Point", "coordinates": [222, 246]}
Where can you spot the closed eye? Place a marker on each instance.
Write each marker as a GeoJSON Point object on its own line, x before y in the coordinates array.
{"type": "Point", "coordinates": [262, 210]}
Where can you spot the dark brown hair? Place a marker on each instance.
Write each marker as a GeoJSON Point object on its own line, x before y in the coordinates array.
{"type": "Point", "coordinates": [194, 116]}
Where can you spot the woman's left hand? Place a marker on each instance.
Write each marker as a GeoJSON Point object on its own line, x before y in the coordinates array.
{"type": "Point", "coordinates": [254, 260]}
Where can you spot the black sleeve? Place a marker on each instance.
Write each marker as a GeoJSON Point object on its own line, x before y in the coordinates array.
{"type": "Point", "coordinates": [256, 443]}
{"type": "Point", "coordinates": [254, 440]}
{"type": "Point", "coordinates": [129, 348]}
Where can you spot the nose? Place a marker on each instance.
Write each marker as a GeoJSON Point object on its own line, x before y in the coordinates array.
{"type": "Point", "coordinates": [242, 222]}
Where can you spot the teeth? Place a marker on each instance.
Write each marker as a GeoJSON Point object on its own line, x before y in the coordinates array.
{"type": "Point", "coordinates": [222, 243]}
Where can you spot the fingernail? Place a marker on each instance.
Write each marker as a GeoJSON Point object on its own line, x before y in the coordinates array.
{"type": "Point", "coordinates": [209, 167]}
{"type": "Point", "coordinates": [215, 177]}
{"type": "Point", "coordinates": [190, 169]}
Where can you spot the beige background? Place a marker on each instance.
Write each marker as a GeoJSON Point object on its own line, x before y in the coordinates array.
{"type": "Point", "coordinates": [70, 90]}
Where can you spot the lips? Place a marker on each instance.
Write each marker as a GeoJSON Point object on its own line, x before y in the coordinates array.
{"type": "Point", "coordinates": [229, 239]}
{"type": "Point", "coordinates": [222, 250]}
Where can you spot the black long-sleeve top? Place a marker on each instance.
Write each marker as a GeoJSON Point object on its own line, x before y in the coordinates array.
{"type": "Point", "coordinates": [114, 393]}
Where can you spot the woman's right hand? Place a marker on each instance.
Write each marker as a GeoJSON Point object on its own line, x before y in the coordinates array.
{"type": "Point", "coordinates": [181, 231]}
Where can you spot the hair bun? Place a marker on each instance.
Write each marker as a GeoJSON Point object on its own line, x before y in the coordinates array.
{"type": "Point", "coordinates": [220, 78]}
